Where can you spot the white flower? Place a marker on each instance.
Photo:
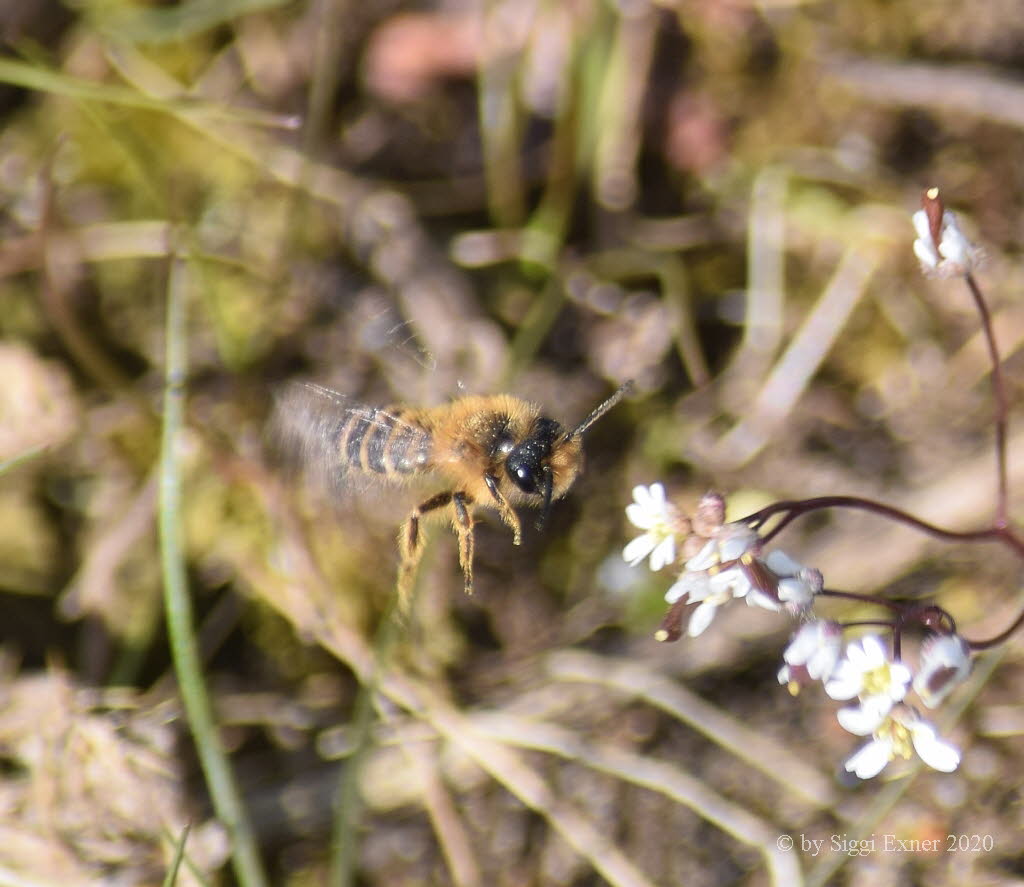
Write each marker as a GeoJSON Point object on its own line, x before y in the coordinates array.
{"type": "Point", "coordinates": [716, 575]}
{"type": "Point", "coordinates": [867, 673]}
{"type": "Point", "coordinates": [731, 542]}
{"type": "Point", "coordinates": [702, 575]}
{"type": "Point", "coordinates": [816, 647]}
{"type": "Point", "coordinates": [898, 733]}
{"type": "Point", "coordinates": [650, 511]}
{"type": "Point", "coordinates": [797, 585]}
{"type": "Point", "coordinates": [729, 566]}
{"type": "Point", "coordinates": [719, 589]}
{"type": "Point", "coordinates": [709, 591]}
{"type": "Point", "coordinates": [696, 586]}
{"type": "Point", "coordinates": [945, 663]}
{"type": "Point", "coordinates": [954, 255]}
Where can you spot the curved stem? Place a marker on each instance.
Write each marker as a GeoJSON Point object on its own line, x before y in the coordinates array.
{"type": "Point", "coordinates": [978, 646]}
{"type": "Point", "coordinates": [794, 508]}
{"type": "Point", "coordinates": [1002, 402]}
{"type": "Point", "coordinates": [862, 598]}
{"type": "Point", "coordinates": [860, 623]}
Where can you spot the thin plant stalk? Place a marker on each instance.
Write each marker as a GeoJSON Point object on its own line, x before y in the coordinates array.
{"type": "Point", "coordinates": [223, 789]}
{"type": "Point", "coordinates": [1001, 399]}
{"type": "Point", "coordinates": [347, 803]}
{"type": "Point", "coordinates": [179, 855]}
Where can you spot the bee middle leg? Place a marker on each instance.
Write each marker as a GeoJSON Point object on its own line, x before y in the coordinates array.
{"type": "Point", "coordinates": [463, 523]}
{"type": "Point", "coordinates": [410, 540]}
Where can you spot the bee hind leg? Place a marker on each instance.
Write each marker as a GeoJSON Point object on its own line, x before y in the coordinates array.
{"type": "Point", "coordinates": [410, 541]}
{"type": "Point", "coordinates": [410, 545]}
{"type": "Point", "coordinates": [505, 510]}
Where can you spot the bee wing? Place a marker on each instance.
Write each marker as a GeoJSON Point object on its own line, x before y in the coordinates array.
{"type": "Point", "coordinates": [312, 428]}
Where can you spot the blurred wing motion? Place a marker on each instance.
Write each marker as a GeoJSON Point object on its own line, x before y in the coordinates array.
{"type": "Point", "coordinates": [329, 437]}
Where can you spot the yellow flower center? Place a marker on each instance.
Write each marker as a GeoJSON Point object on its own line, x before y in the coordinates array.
{"type": "Point", "coordinates": [902, 744]}
{"type": "Point", "coordinates": [877, 681]}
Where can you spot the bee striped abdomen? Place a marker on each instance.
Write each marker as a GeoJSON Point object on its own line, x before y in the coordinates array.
{"type": "Point", "coordinates": [378, 441]}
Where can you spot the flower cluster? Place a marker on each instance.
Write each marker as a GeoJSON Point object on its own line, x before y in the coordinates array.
{"type": "Point", "coordinates": [726, 561]}
{"type": "Point", "coordinates": [720, 562]}
{"type": "Point", "coordinates": [879, 684]}
{"type": "Point", "coordinates": [723, 561]}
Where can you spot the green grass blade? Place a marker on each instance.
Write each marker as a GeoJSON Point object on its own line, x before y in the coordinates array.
{"type": "Point", "coordinates": [184, 648]}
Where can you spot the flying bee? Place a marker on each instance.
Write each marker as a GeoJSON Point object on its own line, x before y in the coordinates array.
{"type": "Point", "coordinates": [493, 451]}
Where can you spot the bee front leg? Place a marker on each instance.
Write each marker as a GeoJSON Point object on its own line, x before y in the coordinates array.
{"type": "Point", "coordinates": [463, 522]}
{"type": "Point", "coordinates": [410, 545]}
{"type": "Point", "coordinates": [508, 515]}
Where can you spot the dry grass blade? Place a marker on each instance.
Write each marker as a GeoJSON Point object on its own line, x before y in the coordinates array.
{"type": "Point", "coordinates": [774, 402]}
{"type": "Point", "coordinates": [658, 776]}
{"type": "Point", "coordinates": [750, 745]}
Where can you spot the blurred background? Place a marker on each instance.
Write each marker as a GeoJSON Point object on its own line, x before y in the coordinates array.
{"type": "Point", "coordinates": [414, 202]}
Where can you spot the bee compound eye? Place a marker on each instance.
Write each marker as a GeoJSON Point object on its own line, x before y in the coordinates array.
{"type": "Point", "coordinates": [523, 476]}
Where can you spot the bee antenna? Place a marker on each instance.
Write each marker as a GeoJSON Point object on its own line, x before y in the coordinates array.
{"type": "Point", "coordinates": [624, 389]}
{"type": "Point", "coordinates": [547, 482]}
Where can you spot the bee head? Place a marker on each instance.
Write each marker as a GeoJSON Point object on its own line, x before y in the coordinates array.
{"type": "Point", "coordinates": [545, 463]}
{"type": "Point", "coordinates": [529, 463]}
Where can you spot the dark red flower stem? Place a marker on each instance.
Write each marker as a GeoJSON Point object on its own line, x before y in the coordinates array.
{"type": "Point", "coordinates": [794, 508]}
{"type": "Point", "coordinates": [863, 598]}
{"type": "Point", "coordinates": [988, 644]}
{"type": "Point", "coordinates": [1001, 399]}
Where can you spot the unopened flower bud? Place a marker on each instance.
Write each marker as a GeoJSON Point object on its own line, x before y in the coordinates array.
{"type": "Point", "coordinates": [945, 663]}
{"type": "Point", "coordinates": [710, 514]}
{"type": "Point", "coordinates": [941, 246]}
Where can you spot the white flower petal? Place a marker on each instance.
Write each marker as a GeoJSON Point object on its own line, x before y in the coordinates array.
{"type": "Point", "coordinates": [816, 646]}
{"type": "Point", "coordinates": [795, 592]}
{"type": "Point", "coordinates": [920, 221]}
{"type": "Point", "coordinates": [900, 676]}
{"type": "Point", "coordinates": [936, 753]}
{"type": "Point", "coordinates": [870, 760]}
{"type": "Point", "coordinates": [802, 646]}
{"type": "Point", "coordinates": [638, 549]}
{"type": "Point", "coordinates": [781, 564]}
{"type": "Point", "coordinates": [732, 582]}
{"type": "Point", "coordinates": [640, 517]}
{"type": "Point", "coordinates": [756, 598]}
{"type": "Point", "coordinates": [641, 495]}
{"type": "Point", "coordinates": [693, 584]}
{"type": "Point", "coordinates": [856, 656]}
{"type": "Point", "coordinates": [735, 541]}
{"type": "Point", "coordinates": [859, 721]}
{"type": "Point", "coordinates": [701, 618]}
{"type": "Point", "coordinates": [822, 663]}
{"type": "Point", "coordinates": [845, 682]}
{"type": "Point", "coordinates": [954, 246]}
{"type": "Point", "coordinates": [705, 558]}
{"type": "Point", "coordinates": [874, 651]}
{"type": "Point", "coordinates": [664, 553]}
{"type": "Point", "coordinates": [926, 255]}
